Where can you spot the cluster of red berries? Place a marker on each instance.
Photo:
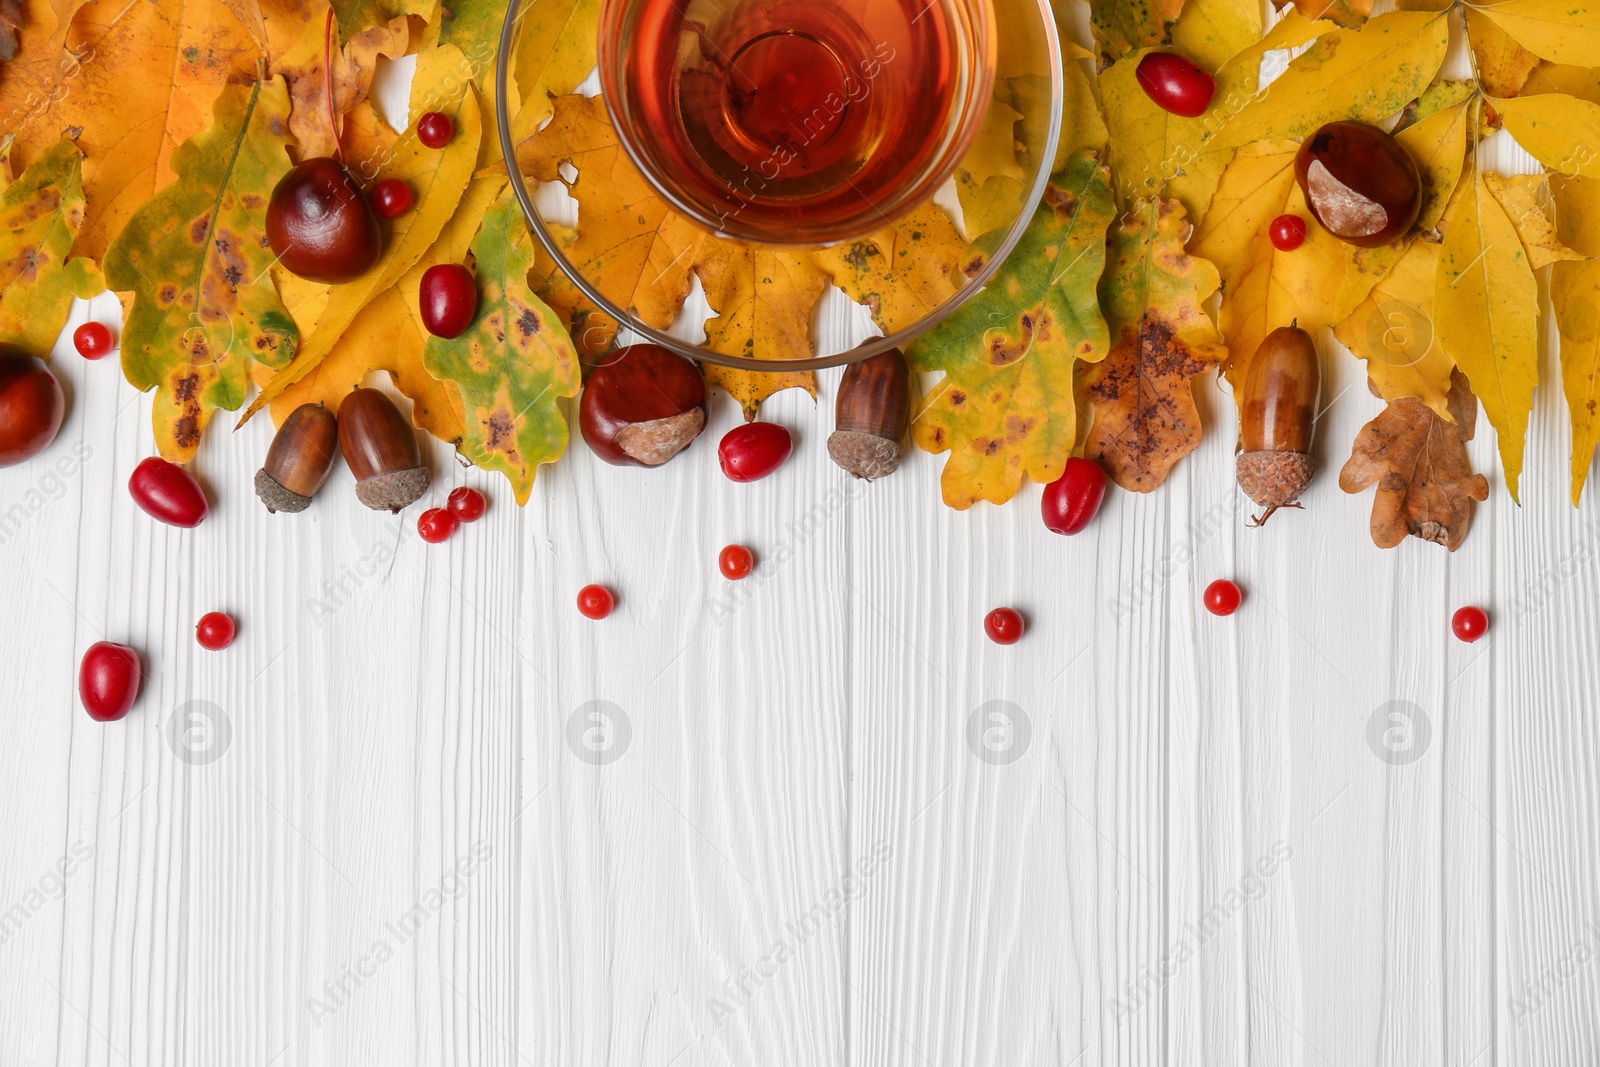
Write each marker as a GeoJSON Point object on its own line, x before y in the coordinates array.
{"type": "Point", "coordinates": [465, 504]}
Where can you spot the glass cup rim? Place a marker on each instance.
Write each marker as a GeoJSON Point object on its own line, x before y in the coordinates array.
{"type": "Point", "coordinates": [902, 203]}
{"type": "Point", "coordinates": [872, 346]}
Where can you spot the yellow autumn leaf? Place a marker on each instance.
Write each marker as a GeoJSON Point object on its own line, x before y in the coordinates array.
{"type": "Point", "coordinates": [1502, 64]}
{"type": "Point", "coordinates": [353, 67]}
{"type": "Point", "coordinates": [1366, 74]}
{"type": "Point", "coordinates": [1575, 293]}
{"type": "Point", "coordinates": [1581, 82]}
{"type": "Point", "coordinates": [354, 16]}
{"type": "Point", "coordinates": [1486, 310]}
{"type": "Point", "coordinates": [1211, 32]}
{"type": "Point", "coordinates": [1392, 329]}
{"type": "Point", "coordinates": [1522, 198]}
{"type": "Point", "coordinates": [1344, 12]}
{"type": "Point", "coordinates": [40, 214]}
{"type": "Point", "coordinates": [438, 178]}
{"type": "Point", "coordinates": [1562, 31]}
{"type": "Point", "coordinates": [555, 51]}
{"type": "Point", "coordinates": [1122, 26]}
{"type": "Point", "coordinates": [1557, 130]}
{"type": "Point", "coordinates": [1438, 142]}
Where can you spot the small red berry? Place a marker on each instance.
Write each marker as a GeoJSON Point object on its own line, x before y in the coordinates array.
{"type": "Point", "coordinates": [447, 299]}
{"type": "Point", "coordinates": [467, 504]}
{"type": "Point", "coordinates": [1222, 597]}
{"type": "Point", "coordinates": [753, 451]}
{"type": "Point", "coordinates": [435, 129]}
{"type": "Point", "coordinates": [215, 631]}
{"type": "Point", "coordinates": [1288, 232]}
{"type": "Point", "coordinates": [1470, 623]}
{"type": "Point", "coordinates": [1004, 626]}
{"type": "Point", "coordinates": [1073, 499]}
{"type": "Point", "coordinates": [391, 198]}
{"type": "Point", "coordinates": [93, 340]}
{"type": "Point", "coordinates": [1175, 84]}
{"type": "Point", "coordinates": [735, 562]}
{"type": "Point", "coordinates": [435, 525]}
{"type": "Point", "coordinates": [108, 680]}
{"type": "Point", "coordinates": [595, 601]}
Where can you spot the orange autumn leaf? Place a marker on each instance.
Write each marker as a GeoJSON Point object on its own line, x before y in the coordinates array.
{"type": "Point", "coordinates": [1152, 293]}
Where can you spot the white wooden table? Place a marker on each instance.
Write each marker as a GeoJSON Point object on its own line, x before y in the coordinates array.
{"type": "Point", "coordinates": [422, 812]}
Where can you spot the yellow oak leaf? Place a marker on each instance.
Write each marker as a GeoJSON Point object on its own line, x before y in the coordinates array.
{"type": "Point", "coordinates": [1557, 130]}
{"type": "Point", "coordinates": [195, 259]}
{"type": "Point", "coordinates": [1366, 74]}
{"type": "Point", "coordinates": [1575, 293]}
{"type": "Point", "coordinates": [1392, 329]}
{"type": "Point", "coordinates": [1562, 31]}
{"type": "Point", "coordinates": [1152, 292]}
{"type": "Point", "coordinates": [1486, 310]}
{"type": "Point", "coordinates": [555, 52]}
{"type": "Point", "coordinates": [1522, 196]}
{"type": "Point", "coordinates": [1004, 408]}
{"type": "Point", "coordinates": [1155, 151]}
{"type": "Point", "coordinates": [40, 214]}
{"type": "Point", "coordinates": [355, 16]}
{"type": "Point", "coordinates": [513, 364]}
{"type": "Point", "coordinates": [353, 67]}
{"type": "Point", "coordinates": [438, 177]}
{"type": "Point", "coordinates": [1502, 64]}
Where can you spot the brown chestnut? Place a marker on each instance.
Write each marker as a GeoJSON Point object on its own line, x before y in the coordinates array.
{"type": "Point", "coordinates": [32, 405]}
{"type": "Point", "coordinates": [870, 415]}
{"type": "Point", "coordinates": [320, 226]}
{"type": "Point", "coordinates": [299, 459]}
{"type": "Point", "coordinates": [642, 406]}
{"type": "Point", "coordinates": [381, 450]}
{"type": "Point", "coordinates": [1360, 183]}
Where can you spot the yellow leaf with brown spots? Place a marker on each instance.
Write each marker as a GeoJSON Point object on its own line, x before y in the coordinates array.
{"type": "Point", "coordinates": [1145, 418]}
{"type": "Point", "coordinates": [353, 67]}
{"type": "Point", "coordinates": [513, 364]}
{"type": "Point", "coordinates": [1004, 408]}
{"type": "Point", "coordinates": [40, 214]}
{"type": "Point", "coordinates": [196, 259]}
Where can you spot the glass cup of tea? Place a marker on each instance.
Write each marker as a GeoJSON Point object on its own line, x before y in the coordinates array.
{"type": "Point", "coordinates": [796, 122]}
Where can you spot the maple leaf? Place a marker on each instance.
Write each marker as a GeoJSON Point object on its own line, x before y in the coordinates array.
{"type": "Point", "coordinates": [645, 255]}
{"type": "Point", "coordinates": [1154, 151]}
{"type": "Point", "coordinates": [1419, 461]}
{"type": "Point", "coordinates": [137, 80]}
{"type": "Point", "coordinates": [1005, 406]}
{"type": "Point", "coordinates": [1485, 309]}
{"type": "Point", "coordinates": [513, 364]}
{"type": "Point", "coordinates": [195, 259]}
{"type": "Point", "coordinates": [1366, 74]}
{"type": "Point", "coordinates": [1145, 418]}
{"type": "Point", "coordinates": [1575, 293]}
{"type": "Point", "coordinates": [1562, 31]}
{"type": "Point", "coordinates": [438, 178]}
{"type": "Point", "coordinates": [40, 213]}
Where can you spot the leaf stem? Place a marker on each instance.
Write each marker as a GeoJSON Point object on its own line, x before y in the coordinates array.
{"type": "Point", "coordinates": [327, 84]}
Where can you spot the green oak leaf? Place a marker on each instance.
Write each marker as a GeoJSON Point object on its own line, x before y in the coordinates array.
{"type": "Point", "coordinates": [40, 215]}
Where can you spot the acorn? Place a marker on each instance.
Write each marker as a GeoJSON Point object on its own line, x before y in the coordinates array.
{"type": "Point", "coordinates": [299, 459]}
{"type": "Point", "coordinates": [870, 415]}
{"type": "Point", "coordinates": [381, 450]}
{"type": "Point", "coordinates": [1277, 412]}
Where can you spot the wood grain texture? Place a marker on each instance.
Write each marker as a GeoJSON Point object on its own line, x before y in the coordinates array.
{"type": "Point", "coordinates": [427, 814]}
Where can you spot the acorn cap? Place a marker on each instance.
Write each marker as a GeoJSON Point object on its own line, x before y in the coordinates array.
{"type": "Point", "coordinates": [1274, 479]}
{"type": "Point", "coordinates": [276, 497]}
{"type": "Point", "coordinates": [393, 491]}
{"type": "Point", "coordinates": [864, 455]}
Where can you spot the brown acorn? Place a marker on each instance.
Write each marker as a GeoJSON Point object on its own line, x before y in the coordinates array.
{"type": "Point", "coordinates": [1277, 412]}
{"type": "Point", "coordinates": [381, 450]}
{"type": "Point", "coordinates": [299, 459]}
{"type": "Point", "coordinates": [870, 415]}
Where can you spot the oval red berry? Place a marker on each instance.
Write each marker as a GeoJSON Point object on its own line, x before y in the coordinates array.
{"type": "Point", "coordinates": [93, 340]}
{"type": "Point", "coordinates": [1004, 626]}
{"type": "Point", "coordinates": [391, 198]}
{"type": "Point", "coordinates": [1072, 500]}
{"type": "Point", "coordinates": [1223, 597]}
{"type": "Point", "coordinates": [108, 680]}
{"type": "Point", "coordinates": [1175, 84]}
{"type": "Point", "coordinates": [436, 525]}
{"type": "Point", "coordinates": [736, 562]}
{"type": "Point", "coordinates": [168, 493]}
{"type": "Point", "coordinates": [447, 299]}
{"type": "Point", "coordinates": [215, 631]}
{"type": "Point", "coordinates": [435, 129]}
{"type": "Point", "coordinates": [1470, 623]}
{"type": "Point", "coordinates": [753, 451]}
{"type": "Point", "coordinates": [595, 602]}
{"type": "Point", "coordinates": [1288, 232]}
{"type": "Point", "coordinates": [467, 504]}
